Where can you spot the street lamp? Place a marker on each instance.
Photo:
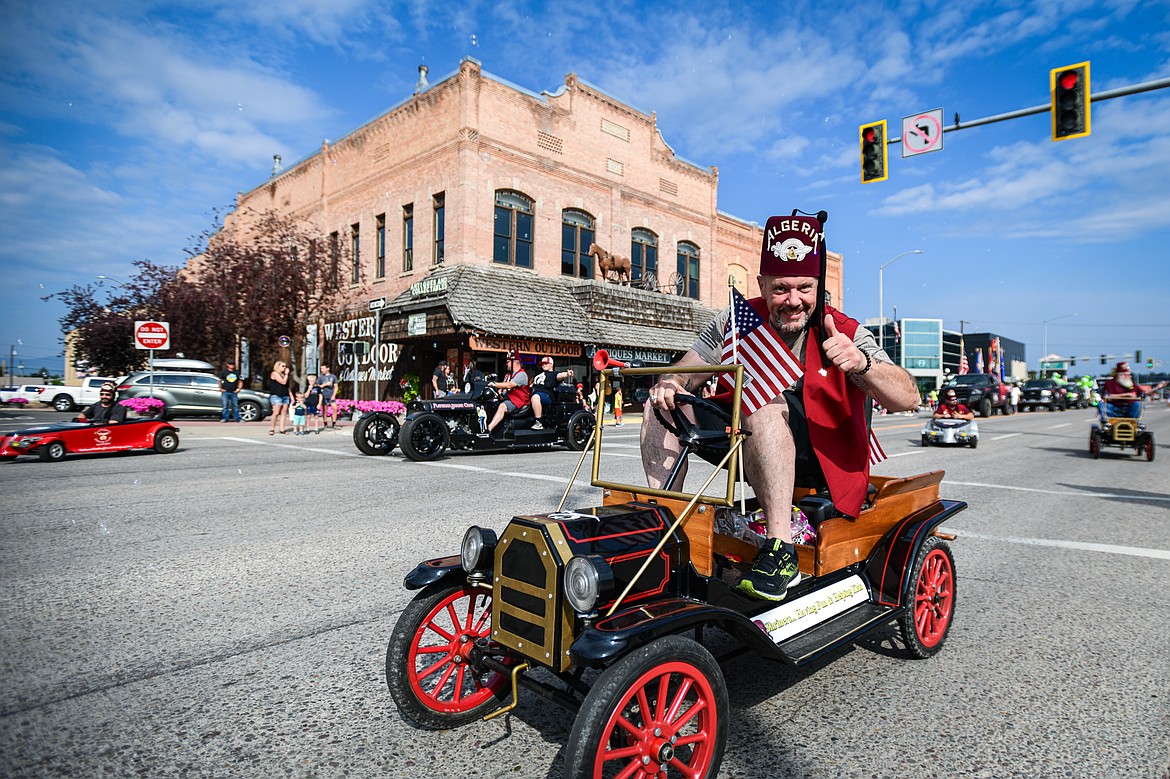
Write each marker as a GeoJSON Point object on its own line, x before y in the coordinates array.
{"type": "Point", "coordinates": [104, 277]}
{"type": "Point", "coordinates": [1044, 349]}
{"type": "Point", "coordinates": [881, 307]}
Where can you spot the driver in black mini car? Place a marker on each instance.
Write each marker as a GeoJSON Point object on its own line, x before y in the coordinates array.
{"type": "Point", "coordinates": [105, 411]}
{"type": "Point", "coordinates": [517, 393]}
{"type": "Point", "coordinates": [803, 407]}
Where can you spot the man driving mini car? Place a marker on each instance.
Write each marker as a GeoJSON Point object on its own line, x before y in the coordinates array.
{"type": "Point", "coordinates": [517, 394]}
{"type": "Point", "coordinates": [819, 419]}
{"type": "Point", "coordinates": [1121, 395]}
{"type": "Point", "coordinates": [951, 408]}
{"type": "Point", "coordinates": [105, 411]}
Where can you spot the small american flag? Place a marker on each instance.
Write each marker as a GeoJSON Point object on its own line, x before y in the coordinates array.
{"type": "Point", "coordinates": [964, 366]}
{"type": "Point", "coordinates": [769, 366]}
{"type": "Point", "coordinates": [876, 453]}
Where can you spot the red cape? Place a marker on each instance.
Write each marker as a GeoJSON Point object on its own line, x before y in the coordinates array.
{"type": "Point", "coordinates": [835, 408]}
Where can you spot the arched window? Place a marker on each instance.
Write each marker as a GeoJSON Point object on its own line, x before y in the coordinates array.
{"type": "Point", "coordinates": [513, 229]}
{"type": "Point", "coordinates": [688, 270]}
{"type": "Point", "coordinates": [643, 257]}
{"type": "Point", "coordinates": [576, 235]}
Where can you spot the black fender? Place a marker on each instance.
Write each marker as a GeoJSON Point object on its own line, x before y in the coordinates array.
{"type": "Point", "coordinates": [448, 570]}
{"type": "Point", "coordinates": [888, 566]}
{"type": "Point", "coordinates": [612, 637]}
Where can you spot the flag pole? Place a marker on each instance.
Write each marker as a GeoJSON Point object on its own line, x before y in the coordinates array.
{"type": "Point", "coordinates": [735, 359]}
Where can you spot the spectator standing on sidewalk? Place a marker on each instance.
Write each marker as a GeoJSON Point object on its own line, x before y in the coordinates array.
{"type": "Point", "coordinates": [313, 403]}
{"type": "Point", "coordinates": [278, 395]}
{"type": "Point", "coordinates": [299, 412]}
{"type": "Point", "coordinates": [328, 384]}
{"type": "Point", "coordinates": [439, 380]}
{"type": "Point", "coordinates": [617, 405]}
{"type": "Point", "coordinates": [229, 385]}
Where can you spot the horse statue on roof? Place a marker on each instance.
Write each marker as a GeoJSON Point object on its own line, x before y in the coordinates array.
{"type": "Point", "coordinates": [612, 266]}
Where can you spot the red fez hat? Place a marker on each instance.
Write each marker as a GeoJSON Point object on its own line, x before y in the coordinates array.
{"type": "Point", "coordinates": [792, 247]}
{"type": "Point", "coordinates": [1122, 367]}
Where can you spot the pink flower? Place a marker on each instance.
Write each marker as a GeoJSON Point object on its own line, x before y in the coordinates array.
{"type": "Point", "coordinates": [394, 407]}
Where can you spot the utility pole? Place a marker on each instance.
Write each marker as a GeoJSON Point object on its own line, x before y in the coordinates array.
{"type": "Point", "coordinates": [962, 324]}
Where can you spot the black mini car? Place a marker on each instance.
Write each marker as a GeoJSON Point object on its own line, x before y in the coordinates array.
{"type": "Point", "coordinates": [459, 421]}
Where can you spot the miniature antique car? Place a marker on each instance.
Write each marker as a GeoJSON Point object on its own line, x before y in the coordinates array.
{"type": "Point", "coordinates": [459, 421]}
{"type": "Point", "coordinates": [1124, 432]}
{"type": "Point", "coordinates": [612, 599]}
{"type": "Point", "coordinates": [52, 442]}
{"type": "Point", "coordinates": [950, 431]}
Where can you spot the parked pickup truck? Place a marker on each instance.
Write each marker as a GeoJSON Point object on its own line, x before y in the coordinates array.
{"type": "Point", "coordinates": [21, 393]}
{"type": "Point", "coordinates": [68, 398]}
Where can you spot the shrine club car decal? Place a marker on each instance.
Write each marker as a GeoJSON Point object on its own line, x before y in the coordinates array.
{"type": "Point", "coordinates": [788, 619]}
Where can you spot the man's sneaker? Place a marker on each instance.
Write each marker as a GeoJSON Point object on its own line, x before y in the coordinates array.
{"type": "Point", "coordinates": [537, 426]}
{"type": "Point", "coordinates": [773, 571]}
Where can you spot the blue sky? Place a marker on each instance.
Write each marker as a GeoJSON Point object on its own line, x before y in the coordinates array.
{"type": "Point", "coordinates": [123, 124]}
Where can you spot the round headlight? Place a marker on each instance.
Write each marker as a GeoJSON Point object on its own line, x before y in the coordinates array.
{"type": "Point", "coordinates": [478, 549]}
{"type": "Point", "coordinates": [586, 580]}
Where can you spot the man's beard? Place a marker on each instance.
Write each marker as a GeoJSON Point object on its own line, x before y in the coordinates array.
{"type": "Point", "coordinates": [790, 328]}
{"type": "Point", "coordinates": [1125, 381]}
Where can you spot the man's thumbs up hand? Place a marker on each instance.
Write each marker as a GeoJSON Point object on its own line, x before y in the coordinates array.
{"type": "Point", "coordinates": [839, 348]}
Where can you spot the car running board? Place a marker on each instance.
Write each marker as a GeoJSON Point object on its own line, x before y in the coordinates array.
{"type": "Point", "coordinates": [837, 631]}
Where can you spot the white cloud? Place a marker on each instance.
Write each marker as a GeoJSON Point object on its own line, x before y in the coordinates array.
{"type": "Point", "coordinates": [154, 83]}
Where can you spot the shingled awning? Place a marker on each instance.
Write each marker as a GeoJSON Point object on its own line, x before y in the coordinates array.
{"type": "Point", "coordinates": [505, 301]}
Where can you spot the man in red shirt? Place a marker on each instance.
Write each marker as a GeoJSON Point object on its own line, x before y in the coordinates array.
{"type": "Point", "coordinates": [517, 393]}
{"type": "Point", "coordinates": [951, 408]}
{"type": "Point", "coordinates": [822, 415]}
{"type": "Point", "coordinates": [1121, 394]}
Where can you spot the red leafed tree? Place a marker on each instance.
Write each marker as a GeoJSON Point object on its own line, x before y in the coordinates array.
{"type": "Point", "coordinates": [270, 280]}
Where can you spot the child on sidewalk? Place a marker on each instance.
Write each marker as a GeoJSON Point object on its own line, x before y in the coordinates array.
{"type": "Point", "coordinates": [313, 403]}
{"type": "Point", "coordinates": [617, 405]}
{"type": "Point", "coordinates": [298, 415]}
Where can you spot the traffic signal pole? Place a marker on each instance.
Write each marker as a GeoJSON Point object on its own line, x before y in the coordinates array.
{"type": "Point", "coordinates": [1134, 89]}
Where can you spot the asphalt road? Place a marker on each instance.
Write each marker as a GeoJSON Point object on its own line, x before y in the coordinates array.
{"type": "Point", "coordinates": [223, 611]}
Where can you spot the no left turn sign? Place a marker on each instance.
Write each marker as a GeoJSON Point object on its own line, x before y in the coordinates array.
{"type": "Point", "coordinates": [922, 133]}
{"type": "Point", "coordinates": [152, 335]}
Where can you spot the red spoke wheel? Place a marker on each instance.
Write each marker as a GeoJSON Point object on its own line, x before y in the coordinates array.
{"type": "Point", "coordinates": [660, 711]}
{"type": "Point", "coordinates": [427, 669]}
{"type": "Point", "coordinates": [1149, 447]}
{"type": "Point", "coordinates": [1094, 445]}
{"type": "Point", "coordinates": [931, 605]}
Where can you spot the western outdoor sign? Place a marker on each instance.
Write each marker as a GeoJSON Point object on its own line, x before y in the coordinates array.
{"type": "Point", "coordinates": [487, 343]}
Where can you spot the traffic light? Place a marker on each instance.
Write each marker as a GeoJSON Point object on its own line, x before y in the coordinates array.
{"type": "Point", "coordinates": [1150, 363]}
{"type": "Point", "coordinates": [1072, 361]}
{"type": "Point", "coordinates": [1102, 359]}
{"type": "Point", "coordinates": [873, 152]}
{"type": "Point", "coordinates": [1137, 355]}
{"type": "Point", "coordinates": [345, 349]}
{"type": "Point", "coordinates": [361, 348]}
{"type": "Point", "coordinates": [1070, 101]}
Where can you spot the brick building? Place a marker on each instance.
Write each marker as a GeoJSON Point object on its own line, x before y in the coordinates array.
{"type": "Point", "coordinates": [471, 208]}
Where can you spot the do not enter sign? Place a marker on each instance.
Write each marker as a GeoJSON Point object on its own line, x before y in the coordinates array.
{"type": "Point", "coordinates": [152, 335]}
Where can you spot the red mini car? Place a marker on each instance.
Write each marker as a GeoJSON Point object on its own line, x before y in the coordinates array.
{"type": "Point", "coordinates": [53, 442]}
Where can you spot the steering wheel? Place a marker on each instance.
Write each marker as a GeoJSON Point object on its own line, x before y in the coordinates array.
{"type": "Point", "coordinates": [689, 432]}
